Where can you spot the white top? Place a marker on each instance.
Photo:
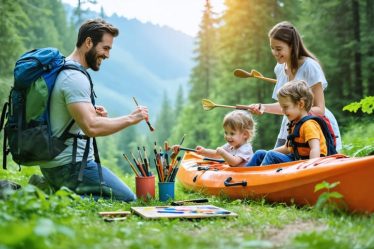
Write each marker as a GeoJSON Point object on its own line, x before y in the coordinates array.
{"type": "Point", "coordinates": [311, 72]}
{"type": "Point", "coordinates": [245, 152]}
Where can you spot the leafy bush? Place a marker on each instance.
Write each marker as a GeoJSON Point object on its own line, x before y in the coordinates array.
{"type": "Point", "coordinates": [366, 105]}
{"type": "Point", "coordinates": [358, 140]}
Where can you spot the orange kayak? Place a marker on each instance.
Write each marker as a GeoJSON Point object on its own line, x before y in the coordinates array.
{"type": "Point", "coordinates": [291, 182]}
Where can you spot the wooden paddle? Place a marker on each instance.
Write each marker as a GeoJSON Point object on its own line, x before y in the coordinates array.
{"type": "Point", "coordinates": [255, 74]}
{"type": "Point", "coordinates": [209, 105]}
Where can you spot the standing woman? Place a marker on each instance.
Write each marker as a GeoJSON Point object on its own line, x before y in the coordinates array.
{"type": "Point", "coordinates": [295, 62]}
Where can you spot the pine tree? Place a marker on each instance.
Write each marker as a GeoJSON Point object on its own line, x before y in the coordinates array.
{"type": "Point", "coordinates": [164, 120]}
{"type": "Point", "coordinates": [344, 54]}
{"type": "Point", "coordinates": [12, 18]}
{"type": "Point", "coordinates": [193, 119]}
{"type": "Point", "coordinates": [243, 43]}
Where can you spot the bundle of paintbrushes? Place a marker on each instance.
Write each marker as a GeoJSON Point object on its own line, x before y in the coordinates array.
{"type": "Point", "coordinates": [166, 165]}
{"type": "Point", "coordinates": [166, 162]}
{"type": "Point", "coordinates": [142, 163]}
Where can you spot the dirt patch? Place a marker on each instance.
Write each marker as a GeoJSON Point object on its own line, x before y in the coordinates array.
{"type": "Point", "coordinates": [280, 236]}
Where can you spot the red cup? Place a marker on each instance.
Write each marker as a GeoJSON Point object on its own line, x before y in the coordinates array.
{"type": "Point", "coordinates": [145, 187]}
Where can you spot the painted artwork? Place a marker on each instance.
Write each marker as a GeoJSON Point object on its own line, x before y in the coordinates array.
{"type": "Point", "coordinates": [198, 211]}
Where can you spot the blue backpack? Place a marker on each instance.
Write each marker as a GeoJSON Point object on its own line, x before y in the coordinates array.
{"type": "Point", "coordinates": [330, 143]}
{"type": "Point", "coordinates": [27, 132]}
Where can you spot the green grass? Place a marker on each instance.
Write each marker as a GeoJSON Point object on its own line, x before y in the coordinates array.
{"type": "Point", "coordinates": [29, 218]}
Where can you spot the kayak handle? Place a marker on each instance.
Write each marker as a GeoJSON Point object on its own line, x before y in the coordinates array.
{"type": "Point", "coordinates": [229, 179]}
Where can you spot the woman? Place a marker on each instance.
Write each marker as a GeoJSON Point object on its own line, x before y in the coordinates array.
{"type": "Point", "coordinates": [295, 62]}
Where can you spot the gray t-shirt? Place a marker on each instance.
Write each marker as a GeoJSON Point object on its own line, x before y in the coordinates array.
{"type": "Point", "coordinates": [71, 86]}
{"type": "Point", "coordinates": [245, 152]}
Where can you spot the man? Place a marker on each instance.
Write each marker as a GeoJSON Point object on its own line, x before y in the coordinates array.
{"type": "Point", "coordinates": [71, 100]}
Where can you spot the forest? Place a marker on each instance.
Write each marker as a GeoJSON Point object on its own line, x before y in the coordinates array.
{"type": "Point", "coordinates": [339, 33]}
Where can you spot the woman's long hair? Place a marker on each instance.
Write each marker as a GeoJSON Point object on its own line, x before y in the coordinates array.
{"type": "Point", "coordinates": [286, 32]}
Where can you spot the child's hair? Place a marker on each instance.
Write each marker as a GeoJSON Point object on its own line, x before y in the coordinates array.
{"type": "Point", "coordinates": [286, 32]}
{"type": "Point", "coordinates": [297, 90]}
{"type": "Point", "coordinates": [240, 121]}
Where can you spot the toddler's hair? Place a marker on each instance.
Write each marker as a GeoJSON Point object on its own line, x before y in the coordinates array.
{"type": "Point", "coordinates": [297, 90]}
{"type": "Point", "coordinates": [240, 120]}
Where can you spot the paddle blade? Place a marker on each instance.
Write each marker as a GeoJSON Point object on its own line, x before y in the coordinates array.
{"type": "Point", "coordinates": [207, 104]}
{"type": "Point", "coordinates": [242, 73]}
{"type": "Point", "coordinates": [256, 73]}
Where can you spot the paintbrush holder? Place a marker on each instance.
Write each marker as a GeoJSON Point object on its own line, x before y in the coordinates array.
{"type": "Point", "coordinates": [145, 187]}
{"type": "Point", "coordinates": [166, 191]}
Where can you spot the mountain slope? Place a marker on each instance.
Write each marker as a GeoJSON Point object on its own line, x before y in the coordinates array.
{"type": "Point", "coordinates": [145, 61]}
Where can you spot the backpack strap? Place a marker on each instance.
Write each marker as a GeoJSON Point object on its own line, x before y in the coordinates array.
{"type": "Point", "coordinates": [291, 139]}
{"type": "Point", "coordinates": [3, 113]}
{"type": "Point", "coordinates": [98, 162]}
{"type": "Point", "coordinates": [5, 152]}
{"type": "Point", "coordinates": [88, 139]}
{"type": "Point", "coordinates": [296, 133]}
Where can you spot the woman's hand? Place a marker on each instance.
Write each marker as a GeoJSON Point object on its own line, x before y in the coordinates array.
{"type": "Point", "coordinates": [257, 109]}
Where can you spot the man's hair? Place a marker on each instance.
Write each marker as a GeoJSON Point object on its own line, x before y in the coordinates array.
{"type": "Point", "coordinates": [95, 28]}
{"type": "Point", "coordinates": [297, 90]}
{"type": "Point", "coordinates": [286, 32]}
{"type": "Point", "coordinates": [240, 121]}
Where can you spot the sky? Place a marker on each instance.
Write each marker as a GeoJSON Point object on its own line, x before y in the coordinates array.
{"type": "Point", "coordinates": [181, 15]}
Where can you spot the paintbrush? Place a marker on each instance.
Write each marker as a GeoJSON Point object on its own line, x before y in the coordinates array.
{"type": "Point", "coordinates": [146, 120]}
{"type": "Point", "coordinates": [139, 165]}
{"type": "Point", "coordinates": [142, 161]}
{"type": "Point", "coordinates": [146, 160]}
{"type": "Point", "coordinates": [187, 149]}
{"type": "Point", "coordinates": [131, 165]}
{"type": "Point", "coordinates": [175, 152]}
{"type": "Point", "coordinates": [157, 169]}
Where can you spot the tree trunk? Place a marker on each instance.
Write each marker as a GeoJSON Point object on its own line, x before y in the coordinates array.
{"type": "Point", "coordinates": [358, 92]}
{"type": "Point", "coordinates": [370, 44]}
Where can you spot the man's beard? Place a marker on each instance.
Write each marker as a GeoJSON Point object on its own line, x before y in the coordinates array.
{"type": "Point", "coordinates": [91, 59]}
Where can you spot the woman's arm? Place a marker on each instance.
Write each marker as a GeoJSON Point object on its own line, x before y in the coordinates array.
{"type": "Point", "coordinates": [319, 99]}
{"type": "Point", "coordinates": [259, 109]}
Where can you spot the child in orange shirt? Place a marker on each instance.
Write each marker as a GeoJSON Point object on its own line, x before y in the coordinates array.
{"type": "Point", "coordinates": [295, 99]}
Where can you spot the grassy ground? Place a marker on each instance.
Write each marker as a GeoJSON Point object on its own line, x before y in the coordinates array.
{"type": "Point", "coordinates": [31, 219]}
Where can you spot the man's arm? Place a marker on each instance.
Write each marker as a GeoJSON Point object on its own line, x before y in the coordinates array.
{"type": "Point", "coordinates": [94, 125]}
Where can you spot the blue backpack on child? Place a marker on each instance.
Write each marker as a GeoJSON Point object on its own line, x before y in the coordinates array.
{"type": "Point", "coordinates": [27, 132]}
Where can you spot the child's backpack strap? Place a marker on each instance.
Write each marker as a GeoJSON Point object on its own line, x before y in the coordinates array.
{"type": "Point", "coordinates": [331, 150]}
